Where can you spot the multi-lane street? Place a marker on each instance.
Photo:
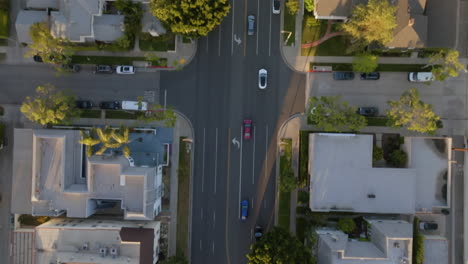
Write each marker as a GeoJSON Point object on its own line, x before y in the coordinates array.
{"type": "Point", "coordinates": [217, 91]}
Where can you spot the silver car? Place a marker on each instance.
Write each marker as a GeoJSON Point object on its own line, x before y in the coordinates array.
{"type": "Point", "coordinates": [251, 25]}
{"type": "Point", "coordinates": [262, 78]}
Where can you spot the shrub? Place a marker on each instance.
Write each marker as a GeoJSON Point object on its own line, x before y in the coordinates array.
{"type": "Point", "coordinates": [287, 181]}
{"type": "Point", "coordinates": [303, 197]}
{"type": "Point", "coordinates": [346, 225]}
{"type": "Point", "coordinates": [418, 243]}
{"type": "Point", "coordinates": [312, 22]}
{"type": "Point", "coordinates": [309, 5]}
{"type": "Point", "coordinates": [32, 220]}
{"type": "Point", "coordinates": [377, 153]}
{"type": "Point", "coordinates": [398, 158]}
{"type": "Point", "coordinates": [292, 6]}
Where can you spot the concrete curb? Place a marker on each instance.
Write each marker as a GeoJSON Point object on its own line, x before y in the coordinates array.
{"type": "Point", "coordinates": [187, 62]}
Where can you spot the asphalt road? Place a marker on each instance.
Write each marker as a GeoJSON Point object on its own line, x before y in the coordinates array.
{"type": "Point", "coordinates": [217, 91]}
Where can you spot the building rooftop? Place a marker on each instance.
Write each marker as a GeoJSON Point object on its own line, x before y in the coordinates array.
{"type": "Point", "coordinates": [334, 247]}
{"type": "Point", "coordinates": [343, 179]}
{"type": "Point", "coordinates": [64, 179]}
{"type": "Point", "coordinates": [96, 241]}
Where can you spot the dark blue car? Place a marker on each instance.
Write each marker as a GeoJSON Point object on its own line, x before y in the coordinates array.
{"type": "Point", "coordinates": [244, 209]}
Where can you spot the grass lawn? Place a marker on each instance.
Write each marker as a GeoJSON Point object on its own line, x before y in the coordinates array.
{"type": "Point", "coordinates": [183, 199]}
{"type": "Point", "coordinates": [162, 43]}
{"type": "Point", "coordinates": [311, 33]}
{"type": "Point", "coordinates": [112, 60]}
{"type": "Point", "coordinates": [381, 67]}
{"type": "Point", "coordinates": [94, 46]}
{"type": "Point", "coordinates": [4, 32]}
{"type": "Point", "coordinates": [335, 46]}
{"type": "Point", "coordinates": [377, 121]}
{"type": "Point", "coordinates": [86, 113]}
{"type": "Point", "coordinates": [289, 26]}
{"type": "Point", "coordinates": [285, 197]}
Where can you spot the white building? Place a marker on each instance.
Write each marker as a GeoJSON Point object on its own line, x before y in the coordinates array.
{"type": "Point", "coordinates": [64, 180]}
{"type": "Point", "coordinates": [342, 177]}
{"type": "Point", "coordinates": [391, 242]}
{"type": "Point", "coordinates": [97, 241]}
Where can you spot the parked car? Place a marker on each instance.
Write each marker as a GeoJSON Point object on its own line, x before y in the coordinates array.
{"type": "Point", "coordinates": [71, 67]}
{"type": "Point", "coordinates": [112, 105]}
{"type": "Point", "coordinates": [262, 78]}
{"type": "Point", "coordinates": [343, 75]}
{"type": "Point", "coordinates": [37, 58]}
{"type": "Point", "coordinates": [251, 25]}
{"type": "Point", "coordinates": [276, 6]}
{"type": "Point", "coordinates": [84, 104]}
{"type": "Point", "coordinates": [103, 69]}
{"type": "Point", "coordinates": [247, 129]}
{"type": "Point", "coordinates": [370, 76]}
{"type": "Point", "coordinates": [428, 225]}
{"type": "Point", "coordinates": [420, 77]}
{"type": "Point", "coordinates": [244, 209]}
{"type": "Point", "coordinates": [134, 105]}
{"type": "Point", "coordinates": [368, 111]}
{"type": "Point", "coordinates": [125, 69]}
{"type": "Point", "coordinates": [258, 232]}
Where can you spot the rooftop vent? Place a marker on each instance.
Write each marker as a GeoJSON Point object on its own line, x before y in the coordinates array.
{"type": "Point", "coordinates": [371, 196]}
{"type": "Point", "coordinates": [103, 251]}
{"type": "Point", "coordinates": [85, 246]}
{"type": "Point", "coordinates": [113, 252]}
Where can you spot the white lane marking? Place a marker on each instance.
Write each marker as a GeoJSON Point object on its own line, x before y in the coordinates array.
{"type": "Point", "coordinates": [232, 27]}
{"type": "Point", "coordinates": [201, 247]}
{"type": "Point", "coordinates": [253, 166]}
{"type": "Point", "coordinates": [201, 213]}
{"type": "Point", "coordinates": [214, 219]}
{"type": "Point", "coordinates": [216, 160]}
{"type": "Point", "coordinates": [252, 202]}
{"type": "Point", "coordinates": [269, 36]}
{"type": "Point", "coordinates": [219, 41]}
{"type": "Point", "coordinates": [266, 151]}
{"type": "Point", "coordinates": [240, 171]}
{"type": "Point", "coordinates": [212, 247]}
{"type": "Point", "coordinates": [165, 99]}
{"type": "Point", "coordinates": [203, 164]}
{"type": "Point", "coordinates": [258, 22]}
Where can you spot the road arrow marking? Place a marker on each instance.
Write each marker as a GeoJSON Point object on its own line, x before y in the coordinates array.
{"type": "Point", "coordinates": [236, 142]}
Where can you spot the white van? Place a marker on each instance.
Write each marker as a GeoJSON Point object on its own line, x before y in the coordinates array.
{"type": "Point", "coordinates": [420, 77]}
{"type": "Point", "coordinates": [134, 105]}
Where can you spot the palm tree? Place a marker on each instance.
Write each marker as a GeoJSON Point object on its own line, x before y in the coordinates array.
{"type": "Point", "coordinates": [89, 140]}
{"type": "Point", "coordinates": [106, 137]}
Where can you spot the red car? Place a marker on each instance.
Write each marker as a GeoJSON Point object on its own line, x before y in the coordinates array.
{"type": "Point", "coordinates": [247, 128]}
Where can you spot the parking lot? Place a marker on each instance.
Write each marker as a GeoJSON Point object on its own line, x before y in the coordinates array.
{"type": "Point", "coordinates": [448, 98]}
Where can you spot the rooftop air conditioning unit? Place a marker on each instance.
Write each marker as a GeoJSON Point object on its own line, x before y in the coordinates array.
{"type": "Point", "coordinates": [103, 251]}
{"type": "Point", "coordinates": [113, 252]}
{"type": "Point", "coordinates": [85, 246]}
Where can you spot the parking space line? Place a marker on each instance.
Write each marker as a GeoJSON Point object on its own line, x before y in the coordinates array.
{"type": "Point", "coordinates": [258, 22]}
{"type": "Point", "coordinates": [232, 26]}
{"type": "Point", "coordinates": [203, 162]}
{"type": "Point", "coordinates": [269, 36]}
{"type": "Point", "coordinates": [216, 160]}
{"type": "Point", "coordinates": [240, 171]}
{"type": "Point", "coordinates": [219, 41]}
{"type": "Point", "coordinates": [253, 160]}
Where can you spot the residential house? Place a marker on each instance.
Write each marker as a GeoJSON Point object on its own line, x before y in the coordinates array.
{"type": "Point", "coordinates": [391, 242]}
{"type": "Point", "coordinates": [63, 240]}
{"type": "Point", "coordinates": [63, 180]}
{"type": "Point", "coordinates": [342, 176]}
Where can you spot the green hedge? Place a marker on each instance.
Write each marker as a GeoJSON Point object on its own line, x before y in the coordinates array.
{"type": "Point", "coordinates": [303, 197]}
{"type": "Point", "coordinates": [113, 60]}
{"type": "Point", "coordinates": [303, 158]}
{"type": "Point", "coordinates": [377, 121]}
{"type": "Point", "coordinates": [418, 243]}
{"type": "Point", "coordinates": [90, 113]}
{"type": "Point", "coordinates": [380, 68]}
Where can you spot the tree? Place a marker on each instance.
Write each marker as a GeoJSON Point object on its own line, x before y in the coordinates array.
{"type": "Point", "coordinates": [377, 153]}
{"type": "Point", "coordinates": [190, 18]}
{"type": "Point", "coordinates": [287, 181]}
{"type": "Point", "coordinates": [49, 107]}
{"type": "Point", "coordinates": [371, 23]}
{"type": "Point", "coordinates": [158, 113]}
{"type": "Point", "coordinates": [133, 12]}
{"type": "Point", "coordinates": [89, 139]}
{"type": "Point", "coordinates": [52, 50]}
{"type": "Point", "coordinates": [108, 138]}
{"type": "Point", "coordinates": [292, 6]}
{"type": "Point", "coordinates": [309, 5]}
{"type": "Point", "coordinates": [365, 62]}
{"type": "Point", "coordinates": [398, 158]}
{"type": "Point", "coordinates": [445, 64]}
{"type": "Point", "coordinates": [346, 225]}
{"type": "Point", "coordinates": [331, 114]}
{"type": "Point", "coordinates": [279, 246]}
{"type": "Point", "coordinates": [413, 114]}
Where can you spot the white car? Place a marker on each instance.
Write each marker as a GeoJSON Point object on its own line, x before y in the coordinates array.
{"type": "Point", "coordinates": [262, 78]}
{"type": "Point", "coordinates": [276, 7]}
{"type": "Point", "coordinates": [125, 69]}
{"type": "Point", "coordinates": [420, 77]}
